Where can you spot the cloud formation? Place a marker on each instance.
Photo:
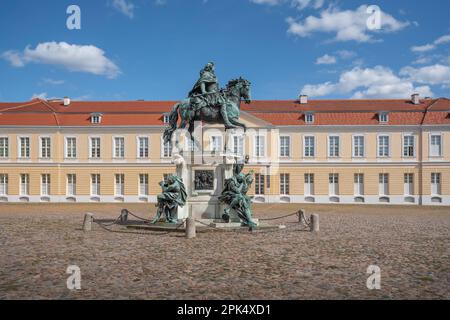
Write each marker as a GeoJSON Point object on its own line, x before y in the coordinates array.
{"type": "Point", "coordinates": [347, 25]}
{"type": "Point", "coordinates": [79, 58]}
{"type": "Point", "coordinates": [368, 83]}
{"type": "Point", "coordinates": [431, 46]}
{"type": "Point", "coordinates": [326, 59]}
{"type": "Point", "coordinates": [124, 7]}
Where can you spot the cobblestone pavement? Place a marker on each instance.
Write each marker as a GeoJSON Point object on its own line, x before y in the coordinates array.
{"type": "Point", "coordinates": [411, 245]}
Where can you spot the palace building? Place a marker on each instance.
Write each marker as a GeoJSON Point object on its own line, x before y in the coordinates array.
{"type": "Point", "coordinates": [322, 151]}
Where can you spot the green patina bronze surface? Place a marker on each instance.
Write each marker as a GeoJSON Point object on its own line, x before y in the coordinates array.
{"type": "Point", "coordinates": [207, 103]}
{"type": "Point", "coordinates": [235, 196]}
{"type": "Point", "coordinates": [173, 195]}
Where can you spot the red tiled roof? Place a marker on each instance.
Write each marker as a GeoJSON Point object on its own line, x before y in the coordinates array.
{"type": "Point", "coordinates": [39, 112]}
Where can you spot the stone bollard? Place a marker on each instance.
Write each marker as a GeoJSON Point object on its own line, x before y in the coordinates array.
{"type": "Point", "coordinates": [314, 223]}
{"type": "Point", "coordinates": [190, 228]}
{"type": "Point", "coordinates": [87, 223]}
{"type": "Point", "coordinates": [124, 216]}
{"type": "Point", "coordinates": [301, 214]}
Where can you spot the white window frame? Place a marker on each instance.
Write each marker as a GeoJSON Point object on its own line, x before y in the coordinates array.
{"type": "Point", "coordinates": [257, 147]}
{"type": "Point", "coordinates": [146, 148]}
{"type": "Point", "coordinates": [285, 148]}
{"type": "Point", "coordinates": [216, 141]}
{"type": "Point", "coordinates": [71, 186]}
{"type": "Point", "coordinates": [143, 184]}
{"type": "Point", "coordinates": [410, 135]}
{"type": "Point", "coordinates": [4, 181]}
{"type": "Point", "coordinates": [354, 155]}
{"type": "Point", "coordinates": [24, 184]}
{"type": "Point", "coordinates": [436, 183]}
{"type": "Point", "coordinates": [166, 147]}
{"type": "Point", "coordinates": [119, 184]}
{"type": "Point", "coordinates": [358, 184]}
{"type": "Point", "coordinates": [260, 184]}
{"type": "Point", "coordinates": [122, 154]}
{"type": "Point", "coordinates": [237, 146]}
{"type": "Point", "coordinates": [91, 147]}
{"type": "Point", "coordinates": [45, 185]}
{"type": "Point", "coordinates": [338, 146]}
{"type": "Point", "coordinates": [166, 118]}
{"type": "Point", "coordinates": [313, 146]}
{"type": "Point", "coordinates": [97, 185]}
{"type": "Point", "coordinates": [408, 184]}
{"type": "Point", "coordinates": [19, 147]}
{"type": "Point", "coordinates": [285, 183]}
{"type": "Point", "coordinates": [96, 118]}
{"type": "Point", "coordinates": [309, 184]}
{"type": "Point", "coordinates": [383, 120]}
{"type": "Point", "coordinates": [5, 147]}
{"type": "Point", "coordinates": [430, 145]}
{"type": "Point", "coordinates": [41, 147]}
{"type": "Point", "coordinates": [309, 117]}
{"type": "Point", "coordinates": [66, 147]}
{"type": "Point", "coordinates": [384, 136]}
{"type": "Point", "coordinates": [333, 186]}
{"type": "Point", "coordinates": [383, 186]}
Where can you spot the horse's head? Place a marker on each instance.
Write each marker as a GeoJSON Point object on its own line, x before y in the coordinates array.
{"type": "Point", "coordinates": [240, 87]}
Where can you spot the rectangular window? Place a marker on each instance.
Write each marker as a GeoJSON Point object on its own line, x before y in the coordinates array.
{"type": "Point", "coordinates": [309, 118]}
{"type": "Point", "coordinates": [358, 146]}
{"type": "Point", "coordinates": [3, 184]}
{"type": "Point", "coordinates": [435, 145]}
{"type": "Point", "coordinates": [333, 146]}
{"type": "Point", "coordinates": [143, 184]}
{"type": "Point", "coordinates": [435, 183]}
{"type": "Point", "coordinates": [45, 148]}
{"type": "Point", "coordinates": [95, 184]}
{"type": "Point", "coordinates": [4, 147]}
{"type": "Point", "coordinates": [285, 146]}
{"type": "Point", "coordinates": [95, 148]}
{"type": "Point", "coordinates": [309, 148]}
{"type": "Point", "coordinates": [24, 184]}
{"type": "Point", "coordinates": [120, 185]}
{"type": "Point", "coordinates": [383, 146]}
{"type": "Point", "coordinates": [333, 184]}
{"type": "Point", "coordinates": [358, 184]}
{"type": "Point", "coordinates": [24, 151]}
{"type": "Point", "coordinates": [284, 183]}
{"type": "Point", "coordinates": [383, 184]}
{"type": "Point", "coordinates": [45, 184]}
{"type": "Point", "coordinates": [259, 183]}
{"type": "Point", "coordinates": [71, 148]}
{"type": "Point", "coordinates": [71, 184]}
{"type": "Point", "coordinates": [383, 117]}
{"type": "Point", "coordinates": [216, 144]}
{"type": "Point", "coordinates": [143, 147]}
{"type": "Point", "coordinates": [309, 183]}
{"type": "Point", "coordinates": [167, 149]}
{"type": "Point", "coordinates": [238, 145]}
{"type": "Point", "coordinates": [408, 146]}
{"type": "Point", "coordinates": [260, 146]}
{"type": "Point", "coordinates": [119, 147]}
{"type": "Point", "coordinates": [408, 184]}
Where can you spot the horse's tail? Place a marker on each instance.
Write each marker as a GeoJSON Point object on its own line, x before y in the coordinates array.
{"type": "Point", "coordinates": [173, 120]}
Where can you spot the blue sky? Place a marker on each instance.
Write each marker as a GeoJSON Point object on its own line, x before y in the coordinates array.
{"type": "Point", "coordinates": [154, 49]}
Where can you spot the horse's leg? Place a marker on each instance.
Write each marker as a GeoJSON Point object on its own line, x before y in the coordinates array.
{"type": "Point", "coordinates": [239, 124]}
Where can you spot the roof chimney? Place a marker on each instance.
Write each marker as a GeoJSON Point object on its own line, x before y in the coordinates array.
{"type": "Point", "coordinates": [66, 101]}
{"type": "Point", "coordinates": [303, 99]}
{"type": "Point", "coordinates": [415, 98]}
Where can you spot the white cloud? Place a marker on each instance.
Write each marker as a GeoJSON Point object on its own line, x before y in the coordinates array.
{"type": "Point", "coordinates": [124, 7]}
{"type": "Point", "coordinates": [13, 57]}
{"type": "Point", "coordinates": [431, 46]}
{"type": "Point", "coordinates": [81, 58]}
{"type": "Point", "coordinates": [434, 74]}
{"type": "Point", "coordinates": [268, 2]}
{"type": "Point", "coordinates": [42, 96]}
{"type": "Point", "coordinates": [377, 82]}
{"type": "Point", "coordinates": [302, 4]}
{"type": "Point", "coordinates": [326, 59]}
{"type": "Point", "coordinates": [348, 25]}
{"type": "Point", "coordinates": [346, 54]}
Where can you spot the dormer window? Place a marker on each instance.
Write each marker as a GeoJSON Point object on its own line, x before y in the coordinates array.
{"type": "Point", "coordinates": [96, 118]}
{"type": "Point", "coordinates": [309, 118]}
{"type": "Point", "coordinates": [166, 118]}
{"type": "Point", "coordinates": [383, 117]}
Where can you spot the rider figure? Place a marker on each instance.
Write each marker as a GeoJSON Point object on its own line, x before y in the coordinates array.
{"type": "Point", "coordinates": [206, 89]}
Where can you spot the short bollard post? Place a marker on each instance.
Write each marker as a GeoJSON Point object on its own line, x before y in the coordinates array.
{"type": "Point", "coordinates": [314, 223]}
{"type": "Point", "coordinates": [87, 223]}
{"type": "Point", "coordinates": [190, 228]}
{"type": "Point", "coordinates": [124, 216]}
{"type": "Point", "coordinates": [301, 215]}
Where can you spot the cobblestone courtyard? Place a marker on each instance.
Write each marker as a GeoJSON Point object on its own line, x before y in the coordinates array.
{"type": "Point", "coordinates": [411, 245]}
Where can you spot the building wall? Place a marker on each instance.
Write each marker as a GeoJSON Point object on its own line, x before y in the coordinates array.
{"type": "Point", "coordinates": [422, 165]}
